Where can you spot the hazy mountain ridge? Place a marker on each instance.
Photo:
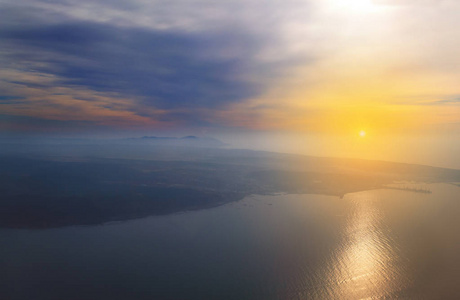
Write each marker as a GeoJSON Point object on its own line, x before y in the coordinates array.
{"type": "Point", "coordinates": [189, 141]}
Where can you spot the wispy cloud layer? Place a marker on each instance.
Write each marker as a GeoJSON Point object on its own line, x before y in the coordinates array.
{"type": "Point", "coordinates": [166, 69]}
{"type": "Point", "coordinates": [257, 64]}
{"type": "Point", "coordinates": [178, 57]}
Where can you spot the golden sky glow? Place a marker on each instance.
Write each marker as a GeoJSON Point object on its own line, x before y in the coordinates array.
{"type": "Point", "coordinates": [374, 74]}
{"type": "Point", "coordinates": [327, 68]}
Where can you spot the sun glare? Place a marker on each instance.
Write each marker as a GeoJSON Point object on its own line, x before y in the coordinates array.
{"type": "Point", "coordinates": [360, 5]}
{"type": "Point", "coordinates": [356, 6]}
{"type": "Point", "coordinates": [362, 133]}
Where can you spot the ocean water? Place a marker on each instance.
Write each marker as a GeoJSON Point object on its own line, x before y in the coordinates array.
{"type": "Point", "coordinates": [379, 244]}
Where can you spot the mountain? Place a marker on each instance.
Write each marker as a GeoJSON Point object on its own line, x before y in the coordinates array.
{"type": "Point", "coordinates": [187, 141]}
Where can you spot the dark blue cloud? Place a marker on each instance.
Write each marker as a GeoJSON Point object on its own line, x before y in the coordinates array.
{"type": "Point", "coordinates": [9, 98]}
{"type": "Point", "coordinates": [27, 123]}
{"type": "Point", "coordinates": [163, 68]}
{"type": "Point", "coordinates": [455, 100]}
{"type": "Point", "coordinates": [6, 100]}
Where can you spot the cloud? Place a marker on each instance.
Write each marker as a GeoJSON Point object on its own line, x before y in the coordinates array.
{"type": "Point", "coordinates": [25, 123]}
{"type": "Point", "coordinates": [5, 99]}
{"type": "Point", "coordinates": [171, 62]}
{"type": "Point", "coordinates": [165, 69]}
{"type": "Point", "coordinates": [191, 63]}
{"type": "Point", "coordinates": [448, 101]}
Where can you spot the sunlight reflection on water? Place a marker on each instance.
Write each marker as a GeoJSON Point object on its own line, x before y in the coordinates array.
{"type": "Point", "coordinates": [363, 266]}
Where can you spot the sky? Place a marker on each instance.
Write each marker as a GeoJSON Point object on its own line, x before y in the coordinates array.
{"type": "Point", "coordinates": [292, 76]}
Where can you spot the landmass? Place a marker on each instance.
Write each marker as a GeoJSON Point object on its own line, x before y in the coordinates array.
{"type": "Point", "coordinates": [89, 184]}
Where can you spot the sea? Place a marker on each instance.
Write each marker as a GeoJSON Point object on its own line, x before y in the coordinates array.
{"type": "Point", "coordinates": [376, 244]}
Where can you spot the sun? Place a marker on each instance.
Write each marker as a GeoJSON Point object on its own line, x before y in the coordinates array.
{"type": "Point", "coordinates": [354, 6]}
{"type": "Point", "coordinates": [362, 133]}
{"type": "Point", "coordinates": [360, 5]}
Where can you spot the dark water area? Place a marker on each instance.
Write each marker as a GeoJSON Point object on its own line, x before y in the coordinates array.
{"type": "Point", "coordinates": [378, 244]}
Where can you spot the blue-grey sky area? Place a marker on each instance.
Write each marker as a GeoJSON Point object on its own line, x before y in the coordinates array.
{"type": "Point", "coordinates": [133, 63]}
{"type": "Point", "coordinates": [167, 69]}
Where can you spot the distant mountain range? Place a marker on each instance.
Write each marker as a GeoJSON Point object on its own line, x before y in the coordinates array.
{"type": "Point", "coordinates": [190, 140]}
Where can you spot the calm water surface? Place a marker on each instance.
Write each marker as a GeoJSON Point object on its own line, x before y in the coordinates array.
{"type": "Point", "coordinates": [382, 244]}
